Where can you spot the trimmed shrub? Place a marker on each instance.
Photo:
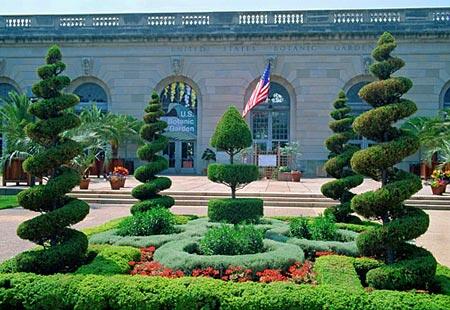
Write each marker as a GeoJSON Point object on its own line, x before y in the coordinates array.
{"type": "Point", "coordinates": [363, 265]}
{"type": "Point", "coordinates": [235, 211]}
{"type": "Point", "coordinates": [233, 175]}
{"type": "Point", "coordinates": [180, 255]}
{"type": "Point", "coordinates": [152, 132]}
{"type": "Point", "coordinates": [323, 228]}
{"type": "Point", "coordinates": [406, 267]}
{"type": "Point", "coordinates": [299, 227]}
{"type": "Point", "coordinates": [26, 291]}
{"type": "Point", "coordinates": [110, 260]}
{"type": "Point", "coordinates": [338, 165]}
{"type": "Point", "coordinates": [155, 221]}
{"type": "Point", "coordinates": [337, 271]}
{"type": "Point", "coordinates": [232, 240]}
{"type": "Point", "coordinates": [193, 228]}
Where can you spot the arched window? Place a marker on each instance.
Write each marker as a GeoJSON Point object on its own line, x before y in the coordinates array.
{"type": "Point", "coordinates": [91, 93]}
{"type": "Point", "coordinates": [358, 107]}
{"type": "Point", "coordinates": [446, 99]}
{"type": "Point", "coordinates": [270, 120]}
{"type": "Point", "coordinates": [180, 103]}
{"type": "Point", "coordinates": [5, 89]}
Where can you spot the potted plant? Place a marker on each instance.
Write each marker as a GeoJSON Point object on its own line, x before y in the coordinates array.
{"type": "Point", "coordinates": [439, 181]}
{"type": "Point", "coordinates": [292, 151]}
{"type": "Point", "coordinates": [122, 173]}
{"type": "Point", "coordinates": [284, 174]}
{"type": "Point", "coordinates": [82, 163]}
{"type": "Point", "coordinates": [208, 155]}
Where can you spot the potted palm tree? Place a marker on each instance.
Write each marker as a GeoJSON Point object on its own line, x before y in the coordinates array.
{"type": "Point", "coordinates": [292, 151]}
{"type": "Point", "coordinates": [82, 163]}
{"type": "Point", "coordinates": [208, 156]}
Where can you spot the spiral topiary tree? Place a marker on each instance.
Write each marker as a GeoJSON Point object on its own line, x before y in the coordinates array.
{"type": "Point", "coordinates": [232, 135]}
{"type": "Point", "coordinates": [151, 131]}
{"type": "Point", "coordinates": [63, 248]}
{"type": "Point", "coordinates": [338, 166]}
{"type": "Point", "coordinates": [407, 266]}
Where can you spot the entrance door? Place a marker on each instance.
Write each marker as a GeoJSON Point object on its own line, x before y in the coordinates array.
{"type": "Point", "coordinates": [180, 155]}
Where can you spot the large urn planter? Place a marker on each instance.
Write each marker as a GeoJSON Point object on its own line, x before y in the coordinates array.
{"type": "Point", "coordinates": [439, 190]}
{"type": "Point", "coordinates": [296, 175]}
{"type": "Point", "coordinates": [284, 176]}
{"type": "Point", "coordinates": [122, 182]}
{"type": "Point", "coordinates": [115, 182]}
{"type": "Point", "coordinates": [84, 183]}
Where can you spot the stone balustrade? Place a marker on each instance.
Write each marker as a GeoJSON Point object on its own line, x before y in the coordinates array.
{"type": "Point", "coordinates": [325, 21]}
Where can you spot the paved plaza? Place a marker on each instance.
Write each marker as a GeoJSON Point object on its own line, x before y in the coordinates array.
{"type": "Point", "coordinates": [436, 239]}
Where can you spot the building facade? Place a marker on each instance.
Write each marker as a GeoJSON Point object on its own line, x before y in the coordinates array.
{"type": "Point", "coordinates": [200, 63]}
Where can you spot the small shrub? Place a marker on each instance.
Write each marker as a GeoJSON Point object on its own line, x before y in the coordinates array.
{"type": "Point", "coordinates": [323, 228]}
{"type": "Point", "coordinates": [155, 221]}
{"type": "Point", "coordinates": [298, 227]}
{"type": "Point", "coordinates": [237, 240]}
{"type": "Point", "coordinates": [235, 211]}
{"type": "Point", "coordinates": [301, 273]}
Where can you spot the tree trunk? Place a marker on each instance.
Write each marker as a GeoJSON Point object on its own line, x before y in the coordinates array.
{"type": "Point", "coordinates": [231, 158]}
{"type": "Point", "coordinates": [233, 192]}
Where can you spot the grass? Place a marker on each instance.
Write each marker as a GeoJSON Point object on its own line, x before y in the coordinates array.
{"type": "Point", "coordinates": [7, 202]}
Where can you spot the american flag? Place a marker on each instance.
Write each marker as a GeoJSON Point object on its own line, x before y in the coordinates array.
{"type": "Point", "coordinates": [260, 93]}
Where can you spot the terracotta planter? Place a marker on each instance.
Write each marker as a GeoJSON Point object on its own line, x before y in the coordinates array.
{"type": "Point", "coordinates": [296, 175]}
{"type": "Point", "coordinates": [122, 182]}
{"type": "Point", "coordinates": [115, 182]}
{"type": "Point", "coordinates": [439, 190]}
{"type": "Point", "coordinates": [84, 183]}
{"type": "Point", "coordinates": [284, 176]}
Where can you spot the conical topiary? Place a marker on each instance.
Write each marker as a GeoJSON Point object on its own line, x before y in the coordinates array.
{"type": "Point", "coordinates": [338, 166]}
{"type": "Point", "coordinates": [232, 135]}
{"type": "Point", "coordinates": [407, 266]}
{"type": "Point", "coordinates": [151, 131]}
{"type": "Point", "coordinates": [64, 248]}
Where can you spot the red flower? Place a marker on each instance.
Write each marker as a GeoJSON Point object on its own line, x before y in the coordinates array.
{"type": "Point", "coordinates": [270, 275]}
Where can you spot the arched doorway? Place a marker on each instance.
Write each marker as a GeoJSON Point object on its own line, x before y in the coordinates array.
{"type": "Point", "coordinates": [269, 121]}
{"type": "Point", "coordinates": [5, 89]}
{"type": "Point", "coordinates": [91, 93]}
{"type": "Point", "coordinates": [358, 107]}
{"type": "Point", "coordinates": [180, 104]}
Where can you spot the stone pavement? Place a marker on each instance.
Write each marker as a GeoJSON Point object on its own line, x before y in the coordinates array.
{"type": "Point", "coordinates": [437, 238]}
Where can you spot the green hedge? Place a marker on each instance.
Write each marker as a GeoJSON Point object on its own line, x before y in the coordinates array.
{"type": "Point", "coordinates": [337, 271]}
{"type": "Point", "coordinates": [177, 255]}
{"type": "Point", "coordinates": [27, 291]}
{"type": "Point", "coordinates": [235, 210]}
{"type": "Point", "coordinates": [193, 228]}
{"type": "Point", "coordinates": [110, 260]}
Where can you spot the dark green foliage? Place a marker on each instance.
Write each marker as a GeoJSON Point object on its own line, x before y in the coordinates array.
{"type": "Point", "coordinates": [234, 176]}
{"type": "Point", "coordinates": [337, 271]}
{"type": "Point", "coordinates": [64, 248]}
{"type": "Point", "coordinates": [299, 227]}
{"type": "Point", "coordinates": [155, 221]}
{"type": "Point", "coordinates": [152, 132]}
{"type": "Point", "coordinates": [110, 260]}
{"type": "Point", "coordinates": [232, 240]}
{"type": "Point", "coordinates": [232, 133]}
{"type": "Point", "coordinates": [235, 211]}
{"type": "Point", "coordinates": [338, 166]}
{"type": "Point", "coordinates": [363, 265]}
{"type": "Point", "coordinates": [25, 291]}
{"type": "Point", "coordinates": [407, 266]}
{"type": "Point", "coordinates": [320, 228]}
{"type": "Point", "coordinates": [182, 255]}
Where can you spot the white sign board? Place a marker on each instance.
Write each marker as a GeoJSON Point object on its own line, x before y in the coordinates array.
{"type": "Point", "coordinates": [267, 160]}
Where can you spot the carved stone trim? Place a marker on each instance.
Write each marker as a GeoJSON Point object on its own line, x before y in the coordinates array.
{"type": "Point", "coordinates": [87, 64]}
{"type": "Point", "coordinates": [2, 65]}
{"type": "Point", "coordinates": [176, 63]}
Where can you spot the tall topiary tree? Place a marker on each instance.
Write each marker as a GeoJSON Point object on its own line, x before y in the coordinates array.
{"type": "Point", "coordinates": [151, 131]}
{"type": "Point", "coordinates": [338, 166]}
{"type": "Point", "coordinates": [407, 266]}
{"type": "Point", "coordinates": [232, 135]}
{"type": "Point", "coordinates": [64, 248]}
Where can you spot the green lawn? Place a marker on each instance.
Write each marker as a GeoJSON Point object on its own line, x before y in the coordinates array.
{"type": "Point", "coordinates": [7, 202]}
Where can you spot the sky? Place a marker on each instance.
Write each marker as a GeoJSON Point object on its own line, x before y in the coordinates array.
{"type": "Point", "coordinates": [23, 7]}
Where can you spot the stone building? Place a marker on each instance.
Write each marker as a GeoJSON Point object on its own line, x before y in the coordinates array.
{"type": "Point", "coordinates": [202, 62]}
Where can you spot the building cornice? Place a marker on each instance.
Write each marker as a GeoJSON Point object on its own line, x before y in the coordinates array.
{"type": "Point", "coordinates": [218, 26]}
